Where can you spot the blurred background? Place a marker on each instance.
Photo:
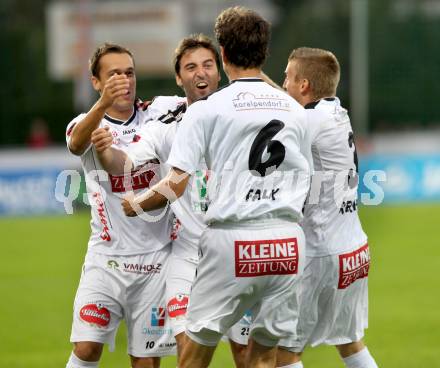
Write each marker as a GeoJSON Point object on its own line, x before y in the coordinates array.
{"type": "Point", "coordinates": [390, 60]}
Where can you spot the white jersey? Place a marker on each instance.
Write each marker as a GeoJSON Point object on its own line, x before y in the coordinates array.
{"type": "Point", "coordinates": [251, 136]}
{"type": "Point", "coordinates": [155, 143]}
{"type": "Point", "coordinates": [331, 221]}
{"type": "Point", "coordinates": [112, 232]}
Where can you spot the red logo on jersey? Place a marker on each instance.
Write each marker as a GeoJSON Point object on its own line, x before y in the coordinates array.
{"type": "Point", "coordinates": [140, 179]}
{"type": "Point", "coordinates": [353, 266]}
{"type": "Point", "coordinates": [105, 235]}
{"type": "Point", "coordinates": [266, 257]}
{"type": "Point", "coordinates": [95, 314]}
{"type": "Point", "coordinates": [177, 305]}
{"type": "Point", "coordinates": [136, 138]}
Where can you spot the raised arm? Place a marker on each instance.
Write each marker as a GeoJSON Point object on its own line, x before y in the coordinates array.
{"type": "Point", "coordinates": [269, 81]}
{"type": "Point", "coordinates": [115, 86]}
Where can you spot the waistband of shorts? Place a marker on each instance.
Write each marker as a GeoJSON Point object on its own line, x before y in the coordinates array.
{"type": "Point", "coordinates": [259, 222]}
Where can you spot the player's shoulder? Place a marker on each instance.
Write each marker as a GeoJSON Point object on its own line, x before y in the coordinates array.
{"type": "Point", "coordinates": [167, 109]}
{"type": "Point", "coordinates": [167, 102]}
{"type": "Point", "coordinates": [327, 117]}
{"type": "Point", "coordinates": [73, 122]}
{"type": "Point", "coordinates": [326, 110]}
{"type": "Point", "coordinates": [161, 106]}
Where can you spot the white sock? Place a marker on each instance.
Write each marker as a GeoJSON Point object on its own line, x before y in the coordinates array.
{"type": "Point", "coordinates": [361, 359]}
{"type": "Point", "coordinates": [294, 365]}
{"type": "Point", "coordinates": [75, 362]}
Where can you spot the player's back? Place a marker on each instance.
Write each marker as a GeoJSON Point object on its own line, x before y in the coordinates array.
{"type": "Point", "coordinates": [251, 135]}
{"type": "Point", "coordinates": [331, 222]}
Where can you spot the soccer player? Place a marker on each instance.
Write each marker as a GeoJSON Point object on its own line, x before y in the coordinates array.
{"type": "Point", "coordinates": [251, 136]}
{"type": "Point", "coordinates": [197, 65]}
{"type": "Point", "coordinates": [126, 262]}
{"type": "Point", "coordinates": [334, 297]}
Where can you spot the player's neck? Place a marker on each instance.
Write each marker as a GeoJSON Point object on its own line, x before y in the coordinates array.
{"type": "Point", "coordinates": [120, 115]}
{"type": "Point", "coordinates": [234, 72]}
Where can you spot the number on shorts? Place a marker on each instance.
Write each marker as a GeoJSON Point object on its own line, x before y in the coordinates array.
{"type": "Point", "coordinates": [245, 331]}
{"type": "Point", "coordinates": [149, 345]}
{"type": "Point", "coordinates": [263, 142]}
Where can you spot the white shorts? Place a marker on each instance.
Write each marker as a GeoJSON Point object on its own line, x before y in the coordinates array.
{"type": "Point", "coordinates": [252, 266]}
{"type": "Point", "coordinates": [113, 288]}
{"type": "Point", "coordinates": [181, 275]}
{"type": "Point", "coordinates": [333, 300]}
{"type": "Point", "coordinates": [239, 332]}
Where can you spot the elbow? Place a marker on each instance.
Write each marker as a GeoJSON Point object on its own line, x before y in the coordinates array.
{"type": "Point", "coordinates": [75, 148]}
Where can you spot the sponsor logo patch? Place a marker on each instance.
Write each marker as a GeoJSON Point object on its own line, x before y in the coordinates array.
{"type": "Point", "coordinates": [353, 266]}
{"type": "Point", "coordinates": [142, 269]}
{"type": "Point", "coordinates": [177, 305]}
{"type": "Point", "coordinates": [248, 101]}
{"type": "Point", "coordinates": [140, 179]}
{"type": "Point", "coordinates": [95, 314]}
{"type": "Point", "coordinates": [168, 345]}
{"type": "Point", "coordinates": [105, 234]}
{"type": "Point", "coordinates": [158, 316]}
{"type": "Point", "coordinates": [113, 264]}
{"type": "Point", "coordinates": [266, 257]}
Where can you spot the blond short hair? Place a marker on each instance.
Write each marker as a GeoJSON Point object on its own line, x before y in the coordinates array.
{"type": "Point", "coordinates": [320, 67]}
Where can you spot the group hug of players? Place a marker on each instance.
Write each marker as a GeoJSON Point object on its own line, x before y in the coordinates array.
{"type": "Point", "coordinates": [227, 213]}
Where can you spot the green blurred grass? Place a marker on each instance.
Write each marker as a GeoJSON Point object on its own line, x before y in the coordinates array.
{"type": "Point", "coordinates": [42, 258]}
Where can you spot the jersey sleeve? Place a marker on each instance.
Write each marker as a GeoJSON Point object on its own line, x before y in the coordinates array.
{"type": "Point", "coordinates": [154, 142]}
{"type": "Point", "coordinates": [189, 144]}
{"type": "Point", "coordinates": [70, 127]}
{"type": "Point", "coordinates": [162, 106]}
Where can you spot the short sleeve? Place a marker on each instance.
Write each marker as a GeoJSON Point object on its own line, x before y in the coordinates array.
{"type": "Point", "coordinates": [189, 144]}
{"type": "Point", "coordinates": [154, 142]}
{"type": "Point", "coordinates": [70, 127]}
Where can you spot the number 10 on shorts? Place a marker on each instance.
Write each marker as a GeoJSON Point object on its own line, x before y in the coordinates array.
{"type": "Point", "coordinates": [266, 257]}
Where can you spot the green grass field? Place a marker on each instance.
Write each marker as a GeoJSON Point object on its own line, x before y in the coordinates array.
{"type": "Point", "coordinates": [42, 257]}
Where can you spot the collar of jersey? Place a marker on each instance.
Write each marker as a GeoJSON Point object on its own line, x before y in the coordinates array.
{"type": "Point", "coordinates": [312, 105]}
{"type": "Point", "coordinates": [121, 122]}
{"type": "Point", "coordinates": [246, 80]}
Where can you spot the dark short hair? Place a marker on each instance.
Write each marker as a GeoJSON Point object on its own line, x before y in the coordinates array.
{"type": "Point", "coordinates": [244, 36]}
{"type": "Point", "coordinates": [100, 51]}
{"type": "Point", "coordinates": [193, 42]}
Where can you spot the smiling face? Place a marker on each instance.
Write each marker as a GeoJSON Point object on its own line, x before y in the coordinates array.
{"type": "Point", "coordinates": [198, 75]}
{"type": "Point", "coordinates": [117, 63]}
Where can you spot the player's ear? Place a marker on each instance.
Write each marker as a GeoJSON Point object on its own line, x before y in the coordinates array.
{"type": "Point", "coordinates": [305, 86]}
{"type": "Point", "coordinates": [96, 84]}
{"type": "Point", "coordinates": [222, 53]}
{"type": "Point", "coordinates": [179, 81]}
